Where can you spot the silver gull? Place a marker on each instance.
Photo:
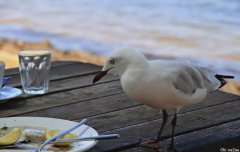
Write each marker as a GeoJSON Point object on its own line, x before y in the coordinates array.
{"type": "Point", "coordinates": [164, 84]}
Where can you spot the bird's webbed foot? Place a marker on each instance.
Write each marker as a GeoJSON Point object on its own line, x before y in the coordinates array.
{"type": "Point", "coordinates": [154, 144]}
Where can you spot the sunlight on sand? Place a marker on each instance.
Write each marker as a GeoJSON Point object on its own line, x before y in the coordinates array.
{"type": "Point", "coordinates": [9, 50]}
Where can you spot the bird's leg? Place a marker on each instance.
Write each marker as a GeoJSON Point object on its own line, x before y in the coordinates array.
{"type": "Point", "coordinates": [157, 140]}
{"type": "Point", "coordinates": [174, 122]}
{"type": "Point", "coordinates": [165, 119]}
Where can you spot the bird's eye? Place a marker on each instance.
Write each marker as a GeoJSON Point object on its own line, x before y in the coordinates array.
{"type": "Point", "coordinates": [112, 61]}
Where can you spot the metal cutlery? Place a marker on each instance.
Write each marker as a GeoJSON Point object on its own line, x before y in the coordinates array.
{"type": "Point", "coordinates": [100, 137]}
{"type": "Point", "coordinates": [61, 134]}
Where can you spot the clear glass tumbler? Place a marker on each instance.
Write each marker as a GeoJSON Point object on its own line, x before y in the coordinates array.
{"type": "Point", "coordinates": [34, 70]}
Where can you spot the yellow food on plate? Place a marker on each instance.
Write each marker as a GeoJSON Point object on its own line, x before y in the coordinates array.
{"type": "Point", "coordinates": [11, 138]}
{"type": "Point", "coordinates": [51, 133]}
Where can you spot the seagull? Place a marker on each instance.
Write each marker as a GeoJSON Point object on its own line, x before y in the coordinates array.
{"type": "Point", "coordinates": [168, 85]}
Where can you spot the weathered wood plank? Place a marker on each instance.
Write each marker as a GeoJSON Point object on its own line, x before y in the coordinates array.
{"type": "Point", "coordinates": [62, 72]}
{"type": "Point", "coordinates": [73, 83]}
{"type": "Point", "coordinates": [54, 64]}
{"type": "Point", "coordinates": [121, 108]}
{"type": "Point", "coordinates": [78, 82]}
{"type": "Point", "coordinates": [211, 139]}
{"type": "Point", "coordinates": [231, 144]}
{"type": "Point", "coordinates": [187, 122]}
{"type": "Point", "coordinates": [23, 105]}
{"type": "Point", "coordinates": [86, 109]}
{"type": "Point", "coordinates": [202, 118]}
{"type": "Point", "coordinates": [139, 114]}
{"type": "Point", "coordinates": [139, 149]}
{"type": "Point", "coordinates": [122, 143]}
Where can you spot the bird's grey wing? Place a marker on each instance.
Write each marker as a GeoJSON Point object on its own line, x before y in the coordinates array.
{"type": "Point", "coordinates": [209, 78]}
{"type": "Point", "coordinates": [188, 79]}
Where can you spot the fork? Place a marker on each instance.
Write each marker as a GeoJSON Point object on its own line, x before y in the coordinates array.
{"type": "Point", "coordinates": [61, 134]}
{"type": "Point", "coordinates": [90, 138]}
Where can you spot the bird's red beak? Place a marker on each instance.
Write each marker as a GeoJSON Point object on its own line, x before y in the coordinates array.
{"type": "Point", "coordinates": [100, 75]}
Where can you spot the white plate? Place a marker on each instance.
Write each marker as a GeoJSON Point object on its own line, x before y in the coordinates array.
{"type": "Point", "coordinates": [9, 93]}
{"type": "Point", "coordinates": [52, 123]}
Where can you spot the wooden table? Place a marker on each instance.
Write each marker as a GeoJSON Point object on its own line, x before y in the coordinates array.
{"type": "Point", "coordinates": [214, 122]}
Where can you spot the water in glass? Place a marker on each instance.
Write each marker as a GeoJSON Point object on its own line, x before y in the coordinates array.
{"type": "Point", "coordinates": [34, 70]}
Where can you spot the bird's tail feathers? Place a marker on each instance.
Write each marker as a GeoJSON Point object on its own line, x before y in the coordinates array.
{"type": "Point", "coordinates": [221, 79]}
{"type": "Point", "coordinates": [224, 76]}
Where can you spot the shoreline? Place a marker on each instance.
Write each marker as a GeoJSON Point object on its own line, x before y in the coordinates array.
{"type": "Point", "coordinates": [10, 48]}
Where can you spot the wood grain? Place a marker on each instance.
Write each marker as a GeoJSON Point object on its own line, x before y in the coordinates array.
{"type": "Point", "coordinates": [187, 122]}
{"type": "Point", "coordinates": [23, 105]}
{"type": "Point", "coordinates": [211, 139]}
{"type": "Point", "coordinates": [140, 114]}
{"type": "Point", "coordinates": [62, 72]}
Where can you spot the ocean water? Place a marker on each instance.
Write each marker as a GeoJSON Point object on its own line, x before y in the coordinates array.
{"type": "Point", "coordinates": [198, 29]}
{"type": "Point", "coordinates": [164, 27]}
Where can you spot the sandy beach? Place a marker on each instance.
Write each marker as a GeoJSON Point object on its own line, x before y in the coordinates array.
{"type": "Point", "coordinates": [10, 48]}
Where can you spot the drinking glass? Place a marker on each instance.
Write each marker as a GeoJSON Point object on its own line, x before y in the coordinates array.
{"type": "Point", "coordinates": [34, 70]}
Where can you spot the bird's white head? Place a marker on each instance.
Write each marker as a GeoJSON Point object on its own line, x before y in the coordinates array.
{"type": "Point", "coordinates": [119, 60]}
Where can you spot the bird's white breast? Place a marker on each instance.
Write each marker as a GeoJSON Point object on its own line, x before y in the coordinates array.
{"type": "Point", "coordinates": [148, 88]}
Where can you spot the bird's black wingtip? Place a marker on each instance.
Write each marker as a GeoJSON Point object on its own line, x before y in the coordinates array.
{"type": "Point", "coordinates": [224, 76]}
{"type": "Point", "coordinates": [229, 77]}
{"type": "Point", "coordinates": [221, 79]}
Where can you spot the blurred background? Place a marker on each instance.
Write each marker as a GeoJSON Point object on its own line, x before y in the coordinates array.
{"type": "Point", "coordinates": [203, 31]}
